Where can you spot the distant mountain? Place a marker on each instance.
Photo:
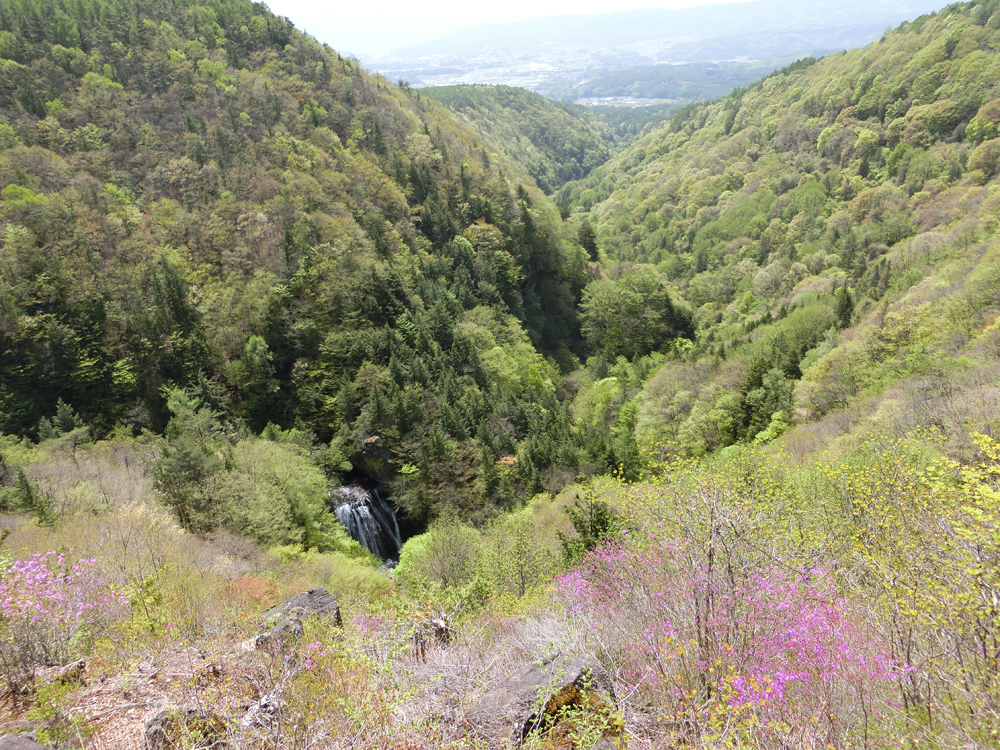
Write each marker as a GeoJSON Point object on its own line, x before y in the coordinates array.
{"type": "Point", "coordinates": [658, 30]}
{"type": "Point", "coordinates": [679, 83]}
{"type": "Point", "coordinates": [555, 54]}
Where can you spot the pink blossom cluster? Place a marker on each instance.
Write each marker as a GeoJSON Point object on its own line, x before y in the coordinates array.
{"type": "Point", "coordinates": [796, 633]}
{"type": "Point", "coordinates": [315, 650]}
{"type": "Point", "coordinates": [689, 629]}
{"type": "Point", "coordinates": [47, 589]}
{"type": "Point", "coordinates": [367, 624]}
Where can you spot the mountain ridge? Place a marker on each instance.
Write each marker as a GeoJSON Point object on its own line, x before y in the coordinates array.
{"type": "Point", "coordinates": [620, 28]}
{"type": "Point", "coordinates": [557, 56]}
{"type": "Point", "coordinates": [802, 195]}
{"type": "Point", "coordinates": [237, 213]}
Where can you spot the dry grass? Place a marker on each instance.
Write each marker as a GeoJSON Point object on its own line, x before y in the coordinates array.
{"type": "Point", "coordinates": [362, 686]}
{"type": "Point", "coordinates": [196, 603]}
{"type": "Point", "coordinates": [86, 478]}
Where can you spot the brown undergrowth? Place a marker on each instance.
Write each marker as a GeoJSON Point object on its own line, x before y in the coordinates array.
{"type": "Point", "coordinates": [184, 643]}
{"type": "Point", "coordinates": [360, 687]}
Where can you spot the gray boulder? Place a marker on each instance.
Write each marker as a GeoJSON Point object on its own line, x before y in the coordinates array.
{"type": "Point", "coordinates": [264, 712]}
{"type": "Point", "coordinates": [19, 742]}
{"type": "Point", "coordinates": [280, 632]}
{"type": "Point", "coordinates": [282, 624]}
{"type": "Point", "coordinates": [313, 602]}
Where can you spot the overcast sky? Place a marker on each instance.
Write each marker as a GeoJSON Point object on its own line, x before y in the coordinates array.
{"type": "Point", "coordinates": [374, 28]}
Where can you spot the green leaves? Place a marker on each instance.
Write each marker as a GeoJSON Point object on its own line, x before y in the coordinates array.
{"type": "Point", "coordinates": [254, 375]}
{"type": "Point", "coordinates": [631, 316]}
{"type": "Point", "coordinates": [555, 142]}
{"type": "Point", "coordinates": [594, 521]}
{"type": "Point", "coordinates": [19, 195]}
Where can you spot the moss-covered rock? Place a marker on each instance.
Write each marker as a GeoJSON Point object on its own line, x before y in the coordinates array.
{"type": "Point", "coordinates": [566, 702]}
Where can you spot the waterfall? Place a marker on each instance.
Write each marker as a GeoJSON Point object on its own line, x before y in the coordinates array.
{"type": "Point", "coordinates": [369, 519]}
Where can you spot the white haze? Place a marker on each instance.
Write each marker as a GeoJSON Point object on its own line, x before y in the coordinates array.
{"type": "Point", "coordinates": [362, 29]}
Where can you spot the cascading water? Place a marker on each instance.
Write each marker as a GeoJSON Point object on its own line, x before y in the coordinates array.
{"type": "Point", "coordinates": [369, 519]}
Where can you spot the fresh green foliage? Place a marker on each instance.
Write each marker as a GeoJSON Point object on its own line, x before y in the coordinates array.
{"type": "Point", "coordinates": [855, 193]}
{"type": "Point", "coordinates": [200, 199]}
{"type": "Point", "coordinates": [267, 488]}
{"type": "Point", "coordinates": [633, 315]}
{"type": "Point", "coordinates": [445, 555]}
{"type": "Point", "coordinates": [215, 228]}
{"type": "Point", "coordinates": [555, 142]}
{"type": "Point", "coordinates": [65, 421]}
{"type": "Point", "coordinates": [593, 520]}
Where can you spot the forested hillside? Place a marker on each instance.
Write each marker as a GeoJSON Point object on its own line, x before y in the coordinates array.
{"type": "Point", "coordinates": [200, 198]}
{"type": "Point", "coordinates": [555, 142]}
{"type": "Point", "coordinates": [833, 226]}
{"type": "Point", "coordinates": [203, 200]}
{"type": "Point", "coordinates": [719, 432]}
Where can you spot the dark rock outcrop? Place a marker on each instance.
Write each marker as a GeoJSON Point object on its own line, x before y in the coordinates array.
{"type": "Point", "coordinates": [188, 728]}
{"type": "Point", "coordinates": [374, 459]}
{"type": "Point", "coordinates": [282, 624]}
{"type": "Point", "coordinates": [70, 674]}
{"type": "Point", "coordinates": [549, 696]}
{"type": "Point", "coordinates": [313, 602]}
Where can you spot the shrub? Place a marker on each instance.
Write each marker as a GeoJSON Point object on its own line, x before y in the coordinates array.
{"type": "Point", "coordinates": [514, 560]}
{"type": "Point", "coordinates": [986, 157]}
{"type": "Point", "coordinates": [731, 654]}
{"type": "Point", "coordinates": [446, 554]}
{"type": "Point", "coordinates": [48, 607]}
{"type": "Point", "coordinates": [330, 691]}
{"type": "Point", "coordinates": [594, 520]}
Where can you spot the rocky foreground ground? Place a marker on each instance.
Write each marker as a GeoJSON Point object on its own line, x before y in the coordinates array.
{"type": "Point", "coordinates": [439, 687]}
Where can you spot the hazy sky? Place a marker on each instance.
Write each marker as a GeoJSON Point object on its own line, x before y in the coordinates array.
{"type": "Point", "coordinates": [371, 28]}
